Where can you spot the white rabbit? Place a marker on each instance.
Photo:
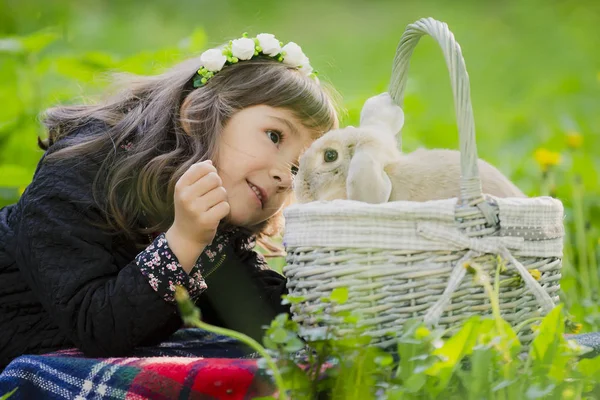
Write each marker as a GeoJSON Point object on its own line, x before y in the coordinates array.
{"type": "Point", "coordinates": [365, 164]}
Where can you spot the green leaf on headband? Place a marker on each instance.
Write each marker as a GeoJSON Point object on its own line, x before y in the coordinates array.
{"type": "Point", "coordinates": [198, 81]}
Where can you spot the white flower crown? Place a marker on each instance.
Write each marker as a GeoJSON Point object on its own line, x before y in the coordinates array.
{"type": "Point", "coordinates": [245, 48]}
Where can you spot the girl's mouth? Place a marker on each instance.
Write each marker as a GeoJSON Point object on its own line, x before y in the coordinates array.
{"type": "Point", "coordinates": [258, 192]}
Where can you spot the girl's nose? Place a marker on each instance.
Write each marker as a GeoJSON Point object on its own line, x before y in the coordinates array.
{"type": "Point", "coordinates": [282, 177]}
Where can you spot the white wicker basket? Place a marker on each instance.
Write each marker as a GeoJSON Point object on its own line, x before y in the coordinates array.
{"type": "Point", "coordinates": [402, 260]}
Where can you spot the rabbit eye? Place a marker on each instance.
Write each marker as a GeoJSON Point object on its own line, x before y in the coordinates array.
{"type": "Point", "coordinates": [330, 155]}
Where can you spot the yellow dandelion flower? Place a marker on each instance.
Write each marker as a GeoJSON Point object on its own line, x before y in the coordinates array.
{"type": "Point", "coordinates": [568, 393]}
{"type": "Point", "coordinates": [574, 139]}
{"type": "Point", "coordinates": [572, 326]}
{"type": "Point", "coordinates": [422, 332]}
{"type": "Point", "coordinates": [546, 158]}
{"type": "Point", "coordinates": [537, 275]}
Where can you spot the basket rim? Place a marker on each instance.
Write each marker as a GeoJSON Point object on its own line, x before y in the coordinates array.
{"type": "Point", "coordinates": [349, 224]}
{"type": "Point", "coordinates": [343, 206]}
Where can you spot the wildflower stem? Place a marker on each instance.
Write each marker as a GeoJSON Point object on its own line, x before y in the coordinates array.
{"type": "Point", "coordinates": [497, 277]}
{"type": "Point", "coordinates": [526, 322]}
{"type": "Point", "coordinates": [545, 187]}
{"type": "Point", "coordinates": [593, 263]}
{"type": "Point", "coordinates": [7, 395]}
{"type": "Point", "coordinates": [190, 315]}
{"type": "Point", "coordinates": [483, 279]}
{"type": "Point", "coordinates": [581, 242]}
{"type": "Point", "coordinates": [579, 392]}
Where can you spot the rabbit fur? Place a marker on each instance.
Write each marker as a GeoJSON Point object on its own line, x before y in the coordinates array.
{"type": "Point", "coordinates": [369, 167]}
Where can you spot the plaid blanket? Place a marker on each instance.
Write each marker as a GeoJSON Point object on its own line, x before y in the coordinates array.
{"type": "Point", "coordinates": [194, 364]}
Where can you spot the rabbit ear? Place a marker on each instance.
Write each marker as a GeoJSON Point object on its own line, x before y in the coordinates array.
{"type": "Point", "coordinates": [380, 111]}
{"type": "Point", "coordinates": [366, 180]}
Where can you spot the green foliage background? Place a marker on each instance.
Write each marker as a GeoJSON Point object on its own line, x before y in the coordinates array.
{"type": "Point", "coordinates": [534, 67]}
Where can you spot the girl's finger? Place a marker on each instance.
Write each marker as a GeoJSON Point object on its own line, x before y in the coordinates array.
{"type": "Point", "coordinates": [194, 173]}
{"type": "Point", "coordinates": [204, 185]}
{"type": "Point", "coordinates": [218, 211]}
{"type": "Point", "coordinates": [210, 199]}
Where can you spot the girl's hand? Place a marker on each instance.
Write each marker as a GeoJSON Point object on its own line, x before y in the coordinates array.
{"type": "Point", "coordinates": [200, 204]}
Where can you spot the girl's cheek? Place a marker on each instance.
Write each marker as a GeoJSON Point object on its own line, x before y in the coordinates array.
{"type": "Point", "coordinates": [286, 199]}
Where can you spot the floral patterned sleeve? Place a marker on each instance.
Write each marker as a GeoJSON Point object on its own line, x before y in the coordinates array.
{"type": "Point", "coordinates": [160, 266]}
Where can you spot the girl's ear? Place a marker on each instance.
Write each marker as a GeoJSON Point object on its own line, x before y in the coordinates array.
{"type": "Point", "coordinates": [381, 112]}
{"type": "Point", "coordinates": [366, 180]}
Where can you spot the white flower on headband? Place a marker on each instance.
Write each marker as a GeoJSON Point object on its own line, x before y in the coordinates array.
{"type": "Point", "coordinates": [294, 55]}
{"type": "Point", "coordinates": [269, 44]}
{"type": "Point", "coordinates": [243, 48]}
{"type": "Point", "coordinates": [306, 68]}
{"type": "Point", "coordinates": [213, 60]}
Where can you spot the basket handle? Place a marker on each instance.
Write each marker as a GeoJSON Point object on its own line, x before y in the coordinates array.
{"type": "Point", "coordinates": [470, 183]}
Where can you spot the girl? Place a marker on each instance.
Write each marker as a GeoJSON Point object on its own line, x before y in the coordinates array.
{"type": "Point", "coordinates": [168, 183]}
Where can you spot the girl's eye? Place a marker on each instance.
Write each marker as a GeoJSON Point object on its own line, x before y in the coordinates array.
{"type": "Point", "coordinates": [274, 136]}
{"type": "Point", "coordinates": [294, 170]}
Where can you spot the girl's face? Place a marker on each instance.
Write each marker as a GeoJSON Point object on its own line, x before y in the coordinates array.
{"type": "Point", "coordinates": [257, 155]}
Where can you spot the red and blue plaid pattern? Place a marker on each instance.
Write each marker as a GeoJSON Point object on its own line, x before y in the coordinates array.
{"type": "Point", "coordinates": [194, 365]}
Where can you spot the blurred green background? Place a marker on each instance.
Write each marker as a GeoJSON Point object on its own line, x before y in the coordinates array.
{"type": "Point", "coordinates": [534, 68]}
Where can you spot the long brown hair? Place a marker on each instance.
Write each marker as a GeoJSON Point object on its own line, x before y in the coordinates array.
{"type": "Point", "coordinates": [170, 125]}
